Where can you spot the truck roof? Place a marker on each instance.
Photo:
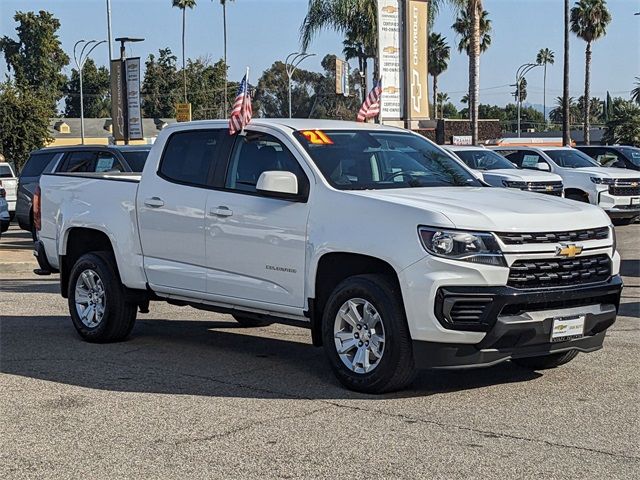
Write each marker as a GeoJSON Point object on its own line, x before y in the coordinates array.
{"type": "Point", "coordinates": [68, 148]}
{"type": "Point", "coordinates": [293, 124]}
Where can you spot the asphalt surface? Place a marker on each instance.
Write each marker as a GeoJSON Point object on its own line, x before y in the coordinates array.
{"type": "Point", "coordinates": [193, 395]}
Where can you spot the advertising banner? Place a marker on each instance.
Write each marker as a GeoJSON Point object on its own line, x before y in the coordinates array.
{"type": "Point", "coordinates": [390, 58]}
{"type": "Point", "coordinates": [117, 100]}
{"type": "Point", "coordinates": [417, 67]}
{"type": "Point", "coordinates": [134, 109]}
{"type": "Point", "coordinates": [342, 77]}
{"type": "Point", "coordinates": [183, 112]}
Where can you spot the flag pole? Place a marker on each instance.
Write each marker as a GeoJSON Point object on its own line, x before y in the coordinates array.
{"type": "Point", "coordinates": [244, 99]}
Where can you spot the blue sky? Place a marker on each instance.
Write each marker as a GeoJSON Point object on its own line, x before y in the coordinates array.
{"type": "Point", "coordinates": [262, 31]}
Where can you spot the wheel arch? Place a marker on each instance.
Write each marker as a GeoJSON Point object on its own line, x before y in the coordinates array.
{"type": "Point", "coordinates": [577, 191]}
{"type": "Point", "coordinates": [334, 267]}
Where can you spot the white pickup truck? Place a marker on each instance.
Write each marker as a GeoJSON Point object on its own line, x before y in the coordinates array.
{"type": "Point", "coordinates": [390, 251]}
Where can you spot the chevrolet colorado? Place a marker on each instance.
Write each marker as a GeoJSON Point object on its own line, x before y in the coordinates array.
{"type": "Point", "coordinates": [391, 252]}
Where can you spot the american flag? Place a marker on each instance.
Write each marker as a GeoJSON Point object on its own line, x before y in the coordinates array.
{"type": "Point", "coordinates": [242, 111]}
{"type": "Point", "coordinates": [371, 106]}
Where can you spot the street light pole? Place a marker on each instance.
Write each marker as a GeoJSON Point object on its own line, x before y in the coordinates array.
{"type": "Point", "coordinates": [291, 63]}
{"type": "Point", "coordinates": [80, 61]}
{"type": "Point", "coordinates": [109, 33]}
{"type": "Point", "coordinates": [520, 74]}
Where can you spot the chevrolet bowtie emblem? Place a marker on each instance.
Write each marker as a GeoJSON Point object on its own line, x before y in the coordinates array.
{"type": "Point", "coordinates": [548, 188]}
{"type": "Point", "coordinates": [568, 251]}
{"type": "Point", "coordinates": [634, 184]}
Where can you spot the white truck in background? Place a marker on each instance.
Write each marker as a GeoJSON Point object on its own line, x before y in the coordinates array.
{"type": "Point", "coordinates": [391, 252]}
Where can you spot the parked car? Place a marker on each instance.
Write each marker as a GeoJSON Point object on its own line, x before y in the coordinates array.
{"type": "Point", "coordinates": [9, 182]}
{"type": "Point", "coordinates": [81, 158]}
{"type": "Point", "coordinates": [497, 171]}
{"type": "Point", "coordinates": [5, 219]}
{"type": "Point", "coordinates": [618, 156]}
{"type": "Point", "coordinates": [389, 250]}
{"type": "Point", "coordinates": [615, 190]}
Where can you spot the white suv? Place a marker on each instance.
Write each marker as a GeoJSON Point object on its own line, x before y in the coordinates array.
{"type": "Point", "coordinates": [615, 190]}
{"type": "Point", "coordinates": [500, 172]}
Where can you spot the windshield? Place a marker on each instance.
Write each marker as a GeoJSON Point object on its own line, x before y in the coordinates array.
{"type": "Point", "coordinates": [484, 159]}
{"type": "Point", "coordinates": [571, 158]}
{"type": "Point", "coordinates": [135, 159]}
{"type": "Point", "coordinates": [632, 154]}
{"type": "Point", "coordinates": [371, 160]}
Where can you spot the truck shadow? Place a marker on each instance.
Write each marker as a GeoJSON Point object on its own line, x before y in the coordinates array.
{"type": "Point", "coordinates": [203, 358]}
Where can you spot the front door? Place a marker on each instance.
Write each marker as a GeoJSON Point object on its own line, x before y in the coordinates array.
{"type": "Point", "coordinates": [171, 210]}
{"type": "Point", "coordinates": [256, 244]}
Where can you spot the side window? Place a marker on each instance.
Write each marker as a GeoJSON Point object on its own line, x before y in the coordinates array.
{"type": "Point", "coordinates": [514, 156]}
{"type": "Point", "coordinates": [107, 162]}
{"type": "Point", "coordinates": [608, 158]}
{"type": "Point", "coordinates": [36, 164]}
{"type": "Point", "coordinates": [76, 162]}
{"type": "Point", "coordinates": [256, 153]}
{"type": "Point", "coordinates": [190, 156]}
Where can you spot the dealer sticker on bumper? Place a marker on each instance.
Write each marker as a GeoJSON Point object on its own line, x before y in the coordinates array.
{"type": "Point", "coordinates": [567, 328]}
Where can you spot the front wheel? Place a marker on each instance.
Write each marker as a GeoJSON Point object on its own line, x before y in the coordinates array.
{"type": "Point", "coordinates": [97, 302]}
{"type": "Point", "coordinates": [544, 362]}
{"type": "Point", "coordinates": [366, 337]}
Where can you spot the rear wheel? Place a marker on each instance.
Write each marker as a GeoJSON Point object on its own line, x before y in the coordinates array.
{"type": "Point", "coordinates": [97, 302]}
{"type": "Point", "coordinates": [366, 337]}
{"type": "Point", "coordinates": [543, 362]}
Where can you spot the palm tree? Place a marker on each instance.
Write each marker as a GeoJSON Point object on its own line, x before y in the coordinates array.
{"type": "Point", "coordinates": [439, 54]}
{"type": "Point", "coordinates": [589, 20]}
{"type": "Point", "coordinates": [224, 30]}
{"type": "Point", "coordinates": [566, 133]}
{"type": "Point", "coordinates": [545, 57]}
{"type": "Point", "coordinates": [183, 5]}
{"type": "Point", "coordinates": [635, 93]}
{"type": "Point", "coordinates": [442, 98]}
{"type": "Point", "coordinates": [474, 26]}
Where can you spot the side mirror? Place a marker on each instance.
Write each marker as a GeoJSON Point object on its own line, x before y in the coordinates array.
{"type": "Point", "coordinates": [278, 184]}
{"type": "Point", "coordinates": [543, 166]}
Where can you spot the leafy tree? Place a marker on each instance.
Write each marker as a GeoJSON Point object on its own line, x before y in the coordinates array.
{"type": "Point", "coordinates": [521, 91]}
{"type": "Point", "coordinates": [24, 122]}
{"type": "Point", "coordinates": [589, 20]}
{"type": "Point", "coordinates": [206, 81]}
{"type": "Point", "coordinates": [596, 109]}
{"type": "Point", "coordinates": [183, 5]}
{"type": "Point", "coordinates": [557, 114]}
{"type": "Point", "coordinates": [635, 93]}
{"type": "Point", "coordinates": [96, 86]}
{"type": "Point", "coordinates": [354, 48]}
{"type": "Point", "coordinates": [545, 57]}
{"type": "Point", "coordinates": [161, 85]}
{"type": "Point", "coordinates": [441, 99]}
{"type": "Point", "coordinates": [439, 54]}
{"type": "Point", "coordinates": [624, 125]}
{"type": "Point", "coordinates": [36, 58]}
{"type": "Point", "coordinates": [449, 110]}
{"type": "Point", "coordinates": [464, 29]}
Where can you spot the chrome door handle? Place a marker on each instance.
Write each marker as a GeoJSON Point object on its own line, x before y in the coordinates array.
{"type": "Point", "coordinates": [154, 202]}
{"type": "Point", "coordinates": [221, 211]}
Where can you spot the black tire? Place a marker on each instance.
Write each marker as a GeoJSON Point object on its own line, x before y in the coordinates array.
{"type": "Point", "coordinates": [395, 369]}
{"type": "Point", "coordinates": [544, 362]}
{"type": "Point", "coordinates": [578, 197]}
{"type": "Point", "coordinates": [251, 322]}
{"type": "Point", "coordinates": [119, 315]}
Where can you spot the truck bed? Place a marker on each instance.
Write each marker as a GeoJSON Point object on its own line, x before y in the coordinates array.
{"type": "Point", "coordinates": [102, 201]}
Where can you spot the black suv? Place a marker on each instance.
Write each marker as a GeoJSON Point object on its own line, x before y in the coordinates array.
{"type": "Point", "coordinates": [79, 158]}
{"type": "Point", "coordinates": [613, 156]}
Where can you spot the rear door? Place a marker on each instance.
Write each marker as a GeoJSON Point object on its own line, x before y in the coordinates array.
{"type": "Point", "coordinates": [171, 210]}
{"type": "Point", "coordinates": [256, 244]}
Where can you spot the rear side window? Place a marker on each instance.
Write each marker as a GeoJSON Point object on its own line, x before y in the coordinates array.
{"type": "Point", "coordinates": [107, 162]}
{"type": "Point", "coordinates": [5, 171]}
{"type": "Point", "coordinates": [77, 162]}
{"type": "Point", "coordinates": [136, 159]}
{"type": "Point", "coordinates": [189, 157]}
{"type": "Point", "coordinates": [36, 164]}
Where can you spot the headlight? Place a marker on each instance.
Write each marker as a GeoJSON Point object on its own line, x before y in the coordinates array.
{"type": "Point", "coordinates": [475, 247]}
{"type": "Point", "coordinates": [603, 181]}
{"type": "Point", "coordinates": [514, 184]}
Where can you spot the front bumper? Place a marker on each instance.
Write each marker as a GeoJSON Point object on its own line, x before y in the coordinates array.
{"type": "Point", "coordinates": [518, 323]}
{"type": "Point", "coordinates": [618, 206]}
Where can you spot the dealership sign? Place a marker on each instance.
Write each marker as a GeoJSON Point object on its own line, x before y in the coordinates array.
{"type": "Point", "coordinates": [390, 60]}
{"type": "Point", "coordinates": [416, 21]}
{"type": "Point", "coordinates": [134, 110]}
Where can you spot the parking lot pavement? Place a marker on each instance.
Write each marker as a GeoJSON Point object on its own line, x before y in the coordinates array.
{"type": "Point", "coordinates": [192, 394]}
{"type": "Point", "coordinates": [16, 251]}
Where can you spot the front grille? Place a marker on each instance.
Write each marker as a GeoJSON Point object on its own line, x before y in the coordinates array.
{"type": "Point", "coordinates": [561, 272]}
{"type": "Point", "coordinates": [550, 188]}
{"type": "Point", "coordinates": [554, 237]}
{"type": "Point", "coordinates": [624, 190]}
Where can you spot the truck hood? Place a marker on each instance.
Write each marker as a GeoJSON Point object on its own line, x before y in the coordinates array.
{"type": "Point", "coordinates": [522, 175]}
{"type": "Point", "coordinates": [496, 209]}
{"type": "Point", "coordinates": [608, 172]}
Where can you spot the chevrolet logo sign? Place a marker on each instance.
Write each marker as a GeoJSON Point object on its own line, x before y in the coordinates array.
{"type": "Point", "coordinates": [568, 251]}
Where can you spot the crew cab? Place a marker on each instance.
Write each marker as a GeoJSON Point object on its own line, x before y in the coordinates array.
{"type": "Point", "coordinates": [9, 182]}
{"type": "Point", "coordinates": [500, 172]}
{"type": "Point", "coordinates": [615, 190]}
{"type": "Point", "coordinates": [393, 253]}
